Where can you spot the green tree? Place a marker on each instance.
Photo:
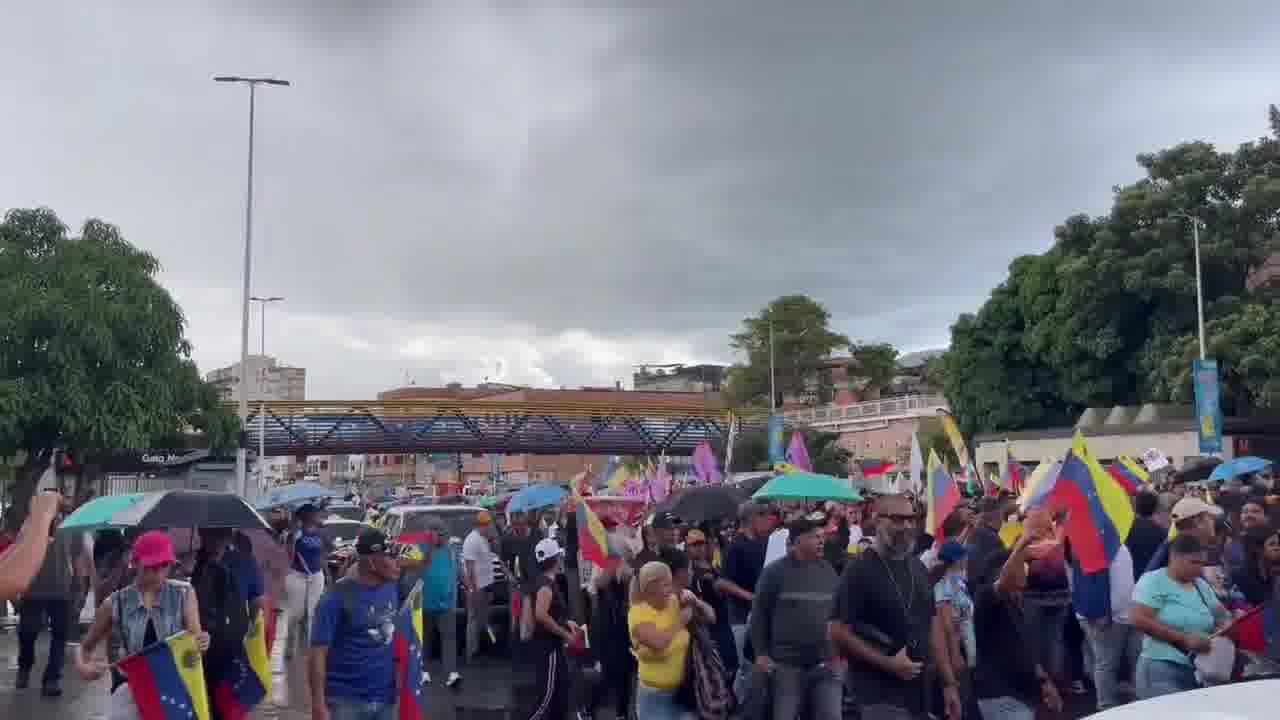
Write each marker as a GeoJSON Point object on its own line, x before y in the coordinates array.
{"type": "Point", "coordinates": [802, 344]}
{"type": "Point", "coordinates": [875, 365]}
{"type": "Point", "coordinates": [1246, 343]}
{"type": "Point", "coordinates": [1095, 320]}
{"type": "Point", "coordinates": [93, 354]}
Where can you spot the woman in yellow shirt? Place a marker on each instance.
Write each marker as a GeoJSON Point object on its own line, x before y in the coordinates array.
{"type": "Point", "coordinates": [659, 621]}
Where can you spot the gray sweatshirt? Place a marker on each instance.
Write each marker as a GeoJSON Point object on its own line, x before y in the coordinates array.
{"type": "Point", "coordinates": [789, 616]}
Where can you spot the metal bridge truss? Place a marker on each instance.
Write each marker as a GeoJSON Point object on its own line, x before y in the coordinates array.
{"type": "Point", "coordinates": [427, 426]}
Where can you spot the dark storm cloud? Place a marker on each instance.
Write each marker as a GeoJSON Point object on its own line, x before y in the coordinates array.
{"type": "Point", "coordinates": [655, 170]}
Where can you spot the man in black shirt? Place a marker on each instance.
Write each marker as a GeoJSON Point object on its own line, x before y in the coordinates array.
{"type": "Point", "coordinates": [1146, 537]}
{"type": "Point", "coordinates": [883, 622]}
{"type": "Point", "coordinates": [1008, 680]}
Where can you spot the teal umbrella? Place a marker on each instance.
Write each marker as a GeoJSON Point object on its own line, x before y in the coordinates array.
{"type": "Point", "coordinates": [99, 512]}
{"type": "Point", "coordinates": [807, 486]}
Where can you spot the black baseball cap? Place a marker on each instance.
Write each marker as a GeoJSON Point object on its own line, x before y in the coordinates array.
{"type": "Point", "coordinates": [373, 542]}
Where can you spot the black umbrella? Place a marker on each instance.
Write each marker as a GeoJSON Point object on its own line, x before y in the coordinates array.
{"type": "Point", "coordinates": [191, 509]}
{"type": "Point", "coordinates": [702, 504]}
{"type": "Point", "coordinates": [1197, 470]}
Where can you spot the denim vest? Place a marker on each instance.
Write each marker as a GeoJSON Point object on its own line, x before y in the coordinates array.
{"type": "Point", "coordinates": [129, 616]}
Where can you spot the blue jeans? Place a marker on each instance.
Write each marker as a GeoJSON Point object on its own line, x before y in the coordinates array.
{"type": "Point", "coordinates": [1161, 677]}
{"type": "Point", "coordinates": [653, 704]}
{"type": "Point", "coordinates": [1109, 642]}
{"type": "Point", "coordinates": [1005, 708]}
{"type": "Point", "coordinates": [347, 709]}
{"type": "Point", "coordinates": [817, 688]}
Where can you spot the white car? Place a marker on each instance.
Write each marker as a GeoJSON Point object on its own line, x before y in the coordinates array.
{"type": "Point", "coordinates": [1253, 700]}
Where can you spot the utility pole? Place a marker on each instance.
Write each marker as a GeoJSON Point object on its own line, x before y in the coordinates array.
{"type": "Point", "coordinates": [242, 459]}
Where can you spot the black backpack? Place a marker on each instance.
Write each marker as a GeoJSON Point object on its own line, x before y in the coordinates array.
{"type": "Point", "coordinates": [224, 614]}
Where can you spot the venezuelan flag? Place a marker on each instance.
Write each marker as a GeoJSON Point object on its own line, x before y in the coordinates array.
{"type": "Point", "coordinates": [407, 642]}
{"type": "Point", "coordinates": [942, 498]}
{"type": "Point", "coordinates": [1039, 485]}
{"type": "Point", "coordinates": [593, 541]}
{"type": "Point", "coordinates": [250, 680]}
{"type": "Point", "coordinates": [1013, 477]}
{"type": "Point", "coordinates": [1129, 474]}
{"type": "Point", "coordinates": [167, 680]}
{"type": "Point", "coordinates": [874, 467]}
{"type": "Point", "coordinates": [1099, 515]}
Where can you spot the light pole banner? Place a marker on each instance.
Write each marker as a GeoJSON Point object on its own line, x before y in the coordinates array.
{"type": "Point", "coordinates": [1208, 405]}
{"type": "Point", "coordinates": [776, 453]}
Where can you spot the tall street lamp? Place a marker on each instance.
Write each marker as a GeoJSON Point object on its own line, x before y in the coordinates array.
{"type": "Point", "coordinates": [1195, 238]}
{"type": "Point", "coordinates": [263, 302]}
{"type": "Point", "coordinates": [242, 480]}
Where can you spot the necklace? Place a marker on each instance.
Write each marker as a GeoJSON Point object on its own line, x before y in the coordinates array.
{"type": "Point", "coordinates": [907, 601]}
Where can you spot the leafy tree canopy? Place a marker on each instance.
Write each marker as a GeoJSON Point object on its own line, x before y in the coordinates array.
{"type": "Point", "coordinates": [802, 343]}
{"type": "Point", "coordinates": [875, 365]}
{"type": "Point", "coordinates": [751, 452]}
{"type": "Point", "coordinates": [93, 354]}
{"type": "Point", "coordinates": [1105, 316]}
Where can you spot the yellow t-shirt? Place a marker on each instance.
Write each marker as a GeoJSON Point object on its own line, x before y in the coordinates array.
{"type": "Point", "coordinates": [660, 671]}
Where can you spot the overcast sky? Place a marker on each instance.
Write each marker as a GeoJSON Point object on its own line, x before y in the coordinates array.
{"type": "Point", "coordinates": [461, 190]}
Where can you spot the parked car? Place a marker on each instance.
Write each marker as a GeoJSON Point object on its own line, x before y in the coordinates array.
{"type": "Point", "coordinates": [341, 534]}
{"type": "Point", "coordinates": [1251, 700]}
{"type": "Point", "coordinates": [345, 511]}
{"type": "Point", "coordinates": [405, 521]}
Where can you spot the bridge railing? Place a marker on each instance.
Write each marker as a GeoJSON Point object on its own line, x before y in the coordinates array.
{"type": "Point", "coordinates": [868, 410]}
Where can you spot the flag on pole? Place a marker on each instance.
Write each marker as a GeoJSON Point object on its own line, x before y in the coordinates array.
{"type": "Point", "coordinates": [1131, 476]}
{"type": "Point", "coordinates": [798, 453]}
{"type": "Point", "coordinates": [705, 467]}
{"type": "Point", "coordinates": [942, 498]}
{"type": "Point", "coordinates": [917, 464]}
{"type": "Point", "coordinates": [1099, 514]}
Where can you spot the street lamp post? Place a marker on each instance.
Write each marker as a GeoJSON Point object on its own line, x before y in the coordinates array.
{"type": "Point", "coordinates": [242, 479]}
{"type": "Point", "coordinates": [1195, 239]}
{"type": "Point", "coordinates": [263, 302]}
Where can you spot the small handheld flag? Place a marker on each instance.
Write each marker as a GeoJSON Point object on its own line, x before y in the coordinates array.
{"type": "Point", "coordinates": [167, 680]}
{"type": "Point", "coordinates": [407, 641]}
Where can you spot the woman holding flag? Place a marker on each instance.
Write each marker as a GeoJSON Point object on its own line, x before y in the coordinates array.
{"type": "Point", "coordinates": [144, 613]}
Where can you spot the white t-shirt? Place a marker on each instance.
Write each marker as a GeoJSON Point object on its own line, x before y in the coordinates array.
{"type": "Point", "coordinates": [476, 549]}
{"type": "Point", "coordinates": [777, 547]}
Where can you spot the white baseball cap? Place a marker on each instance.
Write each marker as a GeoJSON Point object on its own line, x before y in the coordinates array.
{"type": "Point", "coordinates": [546, 549]}
{"type": "Point", "coordinates": [1189, 507]}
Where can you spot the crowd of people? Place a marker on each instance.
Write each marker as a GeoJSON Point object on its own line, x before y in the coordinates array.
{"type": "Point", "coordinates": [817, 612]}
{"type": "Point", "coordinates": [786, 611]}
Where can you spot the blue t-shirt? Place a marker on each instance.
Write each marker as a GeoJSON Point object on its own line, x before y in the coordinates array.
{"type": "Point", "coordinates": [439, 581]}
{"type": "Point", "coordinates": [308, 551]}
{"type": "Point", "coordinates": [245, 570]}
{"type": "Point", "coordinates": [1188, 610]}
{"type": "Point", "coordinates": [361, 664]}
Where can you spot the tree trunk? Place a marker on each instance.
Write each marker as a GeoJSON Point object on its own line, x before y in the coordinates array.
{"type": "Point", "coordinates": [26, 477]}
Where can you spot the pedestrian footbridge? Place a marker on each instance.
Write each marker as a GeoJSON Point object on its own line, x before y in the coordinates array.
{"type": "Point", "coordinates": [480, 426]}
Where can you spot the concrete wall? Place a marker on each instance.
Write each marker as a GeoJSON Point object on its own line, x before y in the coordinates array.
{"type": "Point", "coordinates": [1179, 446]}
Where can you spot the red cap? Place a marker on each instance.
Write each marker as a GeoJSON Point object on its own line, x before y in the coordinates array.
{"type": "Point", "coordinates": [152, 549]}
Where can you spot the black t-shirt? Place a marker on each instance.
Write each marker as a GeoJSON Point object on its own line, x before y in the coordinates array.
{"type": "Point", "coordinates": [743, 563]}
{"type": "Point", "coordinates": [543, 640]}
{"type": "Point", "coordinates": [517, 552]}
{"type": "Point", "coordinates": [889, 604]}
{"type": "Point", "coordinates": [1005, 667]}
{"type": "Point", "coordinates": [571, 541]}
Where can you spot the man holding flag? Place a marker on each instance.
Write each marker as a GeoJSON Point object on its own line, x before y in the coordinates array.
{"type": "Point", "coordinates": [351, 664]}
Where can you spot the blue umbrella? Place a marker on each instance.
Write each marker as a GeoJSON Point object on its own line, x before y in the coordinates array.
{"type": "Point", "coordinates": [295, 494]}
{"type": "Point", "coordinates": [1240, 466]}
{"type": "Point", "coordinates": [535, 497]}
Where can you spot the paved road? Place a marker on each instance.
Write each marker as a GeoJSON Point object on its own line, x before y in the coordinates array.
{"type": "Point", "coordinates": [487, 689]}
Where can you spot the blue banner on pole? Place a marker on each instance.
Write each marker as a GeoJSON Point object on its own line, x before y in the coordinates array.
{"type": "Point", "coordinates": [776, 453]}
{"type": "Point", "coordinates": [1208, 405]}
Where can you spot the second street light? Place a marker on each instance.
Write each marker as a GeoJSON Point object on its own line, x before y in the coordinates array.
{"type": "Point", "coordinates": [242, 460]}
{"type": "Point", "coordinates": [263, 302]}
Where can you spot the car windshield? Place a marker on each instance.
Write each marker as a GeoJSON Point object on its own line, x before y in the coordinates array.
{"type": "Point", "coordinates": [346, 512]}
{"type": "Point", "coordinates": [457, 522]}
